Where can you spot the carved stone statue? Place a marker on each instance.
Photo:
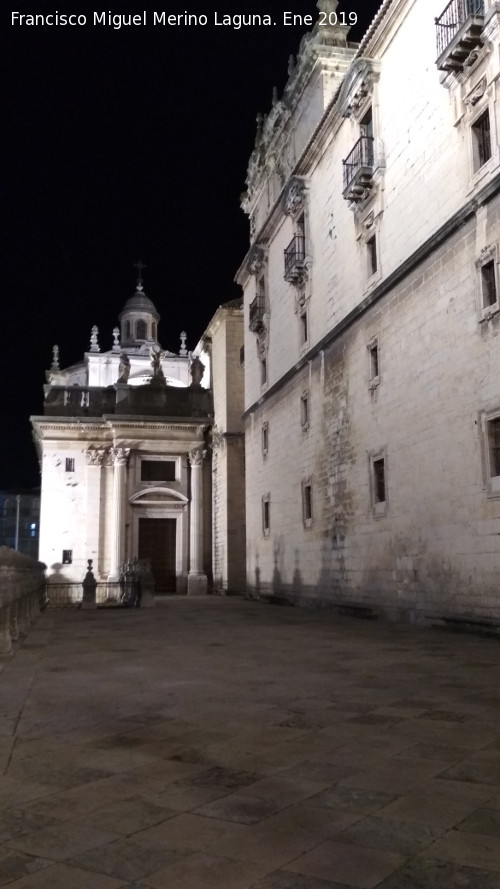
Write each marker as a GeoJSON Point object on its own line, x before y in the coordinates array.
{"type": "Point", "coordinates": [196, 370]}
{"type": "Point", "coordinates": [156, 356]}
{"type": "Point", "coordinates": [123, 368]}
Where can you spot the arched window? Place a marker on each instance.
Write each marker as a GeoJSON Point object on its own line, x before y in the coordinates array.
{"type": "Point", "coordinates": [140, 330]}
{"type": "Point", "coordinates": [153, 330]}
{"type": "Point", "coordinates": [127, 330]}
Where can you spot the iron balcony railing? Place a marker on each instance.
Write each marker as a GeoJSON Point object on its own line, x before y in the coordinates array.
{"type": "Point", "coordinates": [257, 309]}
{"type": "Point", "coordinates": [295, 255]}
{"type": "Point", "coordinates": [452, 20]}
{"type": "Point", "coordinates": [358, 166]}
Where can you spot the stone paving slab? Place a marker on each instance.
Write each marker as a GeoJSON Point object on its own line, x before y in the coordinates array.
{"type": "Point", "coordinates": [218, 743]}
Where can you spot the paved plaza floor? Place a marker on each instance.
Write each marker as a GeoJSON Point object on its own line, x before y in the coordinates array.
{"type": "Point", "coordinates": [219, 743]}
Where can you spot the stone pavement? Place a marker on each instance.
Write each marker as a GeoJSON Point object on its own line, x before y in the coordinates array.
{"type": "Point", "coordinates": [225, 744]}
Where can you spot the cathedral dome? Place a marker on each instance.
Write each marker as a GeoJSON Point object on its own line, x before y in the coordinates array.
{"type": "Point", "coordinates": [139, 317]}
{"type": "Point", "coordinates": [139, 302]}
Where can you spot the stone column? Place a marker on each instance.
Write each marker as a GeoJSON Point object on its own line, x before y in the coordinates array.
{"type": "Point", "coordinates": [95, 459]}
{"type": "Point", "coordinates": [197, 579]}
{"type": "Point", "coordinates": [120, 459]}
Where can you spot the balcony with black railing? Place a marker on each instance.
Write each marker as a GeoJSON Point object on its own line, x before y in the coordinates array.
{"type": "Point", "coordinates": [458, 32]}
{"type": "Point", "coordinates": [257, 309]}
{"type": "Point", "coordinates": [358, 170]}
{"type": "Point", "coordinates": [295, 257]}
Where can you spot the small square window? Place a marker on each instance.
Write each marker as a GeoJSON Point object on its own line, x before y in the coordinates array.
{"type": "Point", "coordinates": [481, 140]}
{"type": "Point", "coordinates": [304, 410]}
{"type": "Point", "coordinates": [307, 504]}
{"type": "Point", "coordinates": [488, 284]}
{"type": "Point", "coordinates": [266, 515]}
{"type": "Point", "coordinates": [70, 464]}
{"type": "Point", "coordinates": [67, 556]}
{"type": "Point", "coordinates": [265, 439]}
{"type": "Point", "coordinates": [371, 246]}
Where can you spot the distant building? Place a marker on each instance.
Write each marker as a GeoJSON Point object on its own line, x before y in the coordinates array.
{"type": "Point", "coordinates": [125, 453]}
{"type": "Point", "coordinates": [20, 520]}
{"type": "Point", "coordinates": [372, 318]}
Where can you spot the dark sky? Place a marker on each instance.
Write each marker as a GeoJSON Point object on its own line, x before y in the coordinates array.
{"type": "Point", "coordinates": [124, 144]}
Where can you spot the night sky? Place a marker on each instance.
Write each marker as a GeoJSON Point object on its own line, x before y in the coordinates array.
{"type": "Point", "coordinates": [124, 144]}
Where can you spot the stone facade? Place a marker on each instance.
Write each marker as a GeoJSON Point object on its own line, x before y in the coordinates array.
{"type": "Point", "coordinates": [123, 447]}
{"type": "Point", "coordinates": [372, 402]}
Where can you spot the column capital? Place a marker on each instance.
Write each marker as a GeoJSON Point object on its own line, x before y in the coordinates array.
{"type": "Point", "coordinates": [95, 456]}
{"type": "Point", "coordinates": [120, 456]}
{"type": "Point", "coordinates": [196, 456]}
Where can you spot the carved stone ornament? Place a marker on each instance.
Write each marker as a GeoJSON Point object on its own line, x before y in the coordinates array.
{"type": "Point", "coordinates": [217, 438]}
{"type": "Point", "coordinates": [262, 343]}
{"type": "Point", "coordinates": [196, 456]}
{"type": "Point", "coordinates": [486, 253]}
{"type": "Point", "coordinates": [255, 262]}
{"type": "Point", "coordinates": [368, 222]}
{"type": "Point", "coordinates": [55, 358]}
{"type": "Point", "coordinates": [95, 456]}
{"type": "Point", "coordinates": [294, 197]}
{"type": "Point", "coordinates": [253, 226]}
{"type": "Point", "coordinates": [477, 93]}
{"type": "Point", "coordinates": [94, 345]}
{"type": "Point", "coordinates": [357, 85]}
{"type": "Point", "coordinates": [120, 456]}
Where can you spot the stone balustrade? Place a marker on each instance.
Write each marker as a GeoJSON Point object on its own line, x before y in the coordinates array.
{"type": "Point", "coordinates": [22, 594]}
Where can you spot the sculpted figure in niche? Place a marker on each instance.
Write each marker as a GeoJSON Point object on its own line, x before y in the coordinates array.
{"type": "Point", "coordinates": [123, 368]}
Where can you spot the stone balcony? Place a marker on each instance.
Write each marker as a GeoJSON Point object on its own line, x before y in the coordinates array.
{"type": "Point", "coordinates": [256, 315]}
{"type": "Point", "coordinates": [458, 32]}
{"type": "Point", "coordinates": [358, 170]}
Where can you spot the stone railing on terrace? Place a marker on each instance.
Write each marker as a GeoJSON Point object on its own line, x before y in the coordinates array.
{"type": "Point", "coordinates": [22, 595]}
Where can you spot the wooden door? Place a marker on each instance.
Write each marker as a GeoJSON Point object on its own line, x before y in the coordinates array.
{"type": "Point", "coordinates": [157, 543]}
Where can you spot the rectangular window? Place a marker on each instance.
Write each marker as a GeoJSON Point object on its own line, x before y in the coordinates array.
{"type": "Point", "coordinates": [366, 124]}
{"type": "Point", "coordinates": [70, 464]}
{"type": "Point", "coordinates": [374, 361]}
{"type": "Point", "coordinates": [67, 556]}
{"type": "Point", "coordinates": [157, 470]}
{"type": "Point", "coordinates": [488, 284]}
{"type": "Point", "coordinates": [242, 356]}
{"type": "Point", "coordinates": [379, 480]}
{"type": "Point", "coordinates": [494, 447]}
{"type": "Point", "coordinates": [307, 505]}
{"type": "Point", "coordinates": [481, 140]}
{"type": "Point", "coordinates": [266, 515]}
{"type": "Point", "coordinates": [304, 410]}
{"type": "Point", "coordinates": [371, 247]}
{"type": "Point", "coordinates": [304, 332]}
{"type": "Point", "coordinates": [263, 371]}
{"type": "Point", "coordinates": [265, 439]}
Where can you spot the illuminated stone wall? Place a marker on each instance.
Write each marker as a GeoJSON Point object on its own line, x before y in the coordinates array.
{"type": "Point", "coordinates": [398, 368]}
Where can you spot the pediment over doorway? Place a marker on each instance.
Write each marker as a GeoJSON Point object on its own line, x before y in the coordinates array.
{"type": "Point", "coordinates": [157, 495]}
